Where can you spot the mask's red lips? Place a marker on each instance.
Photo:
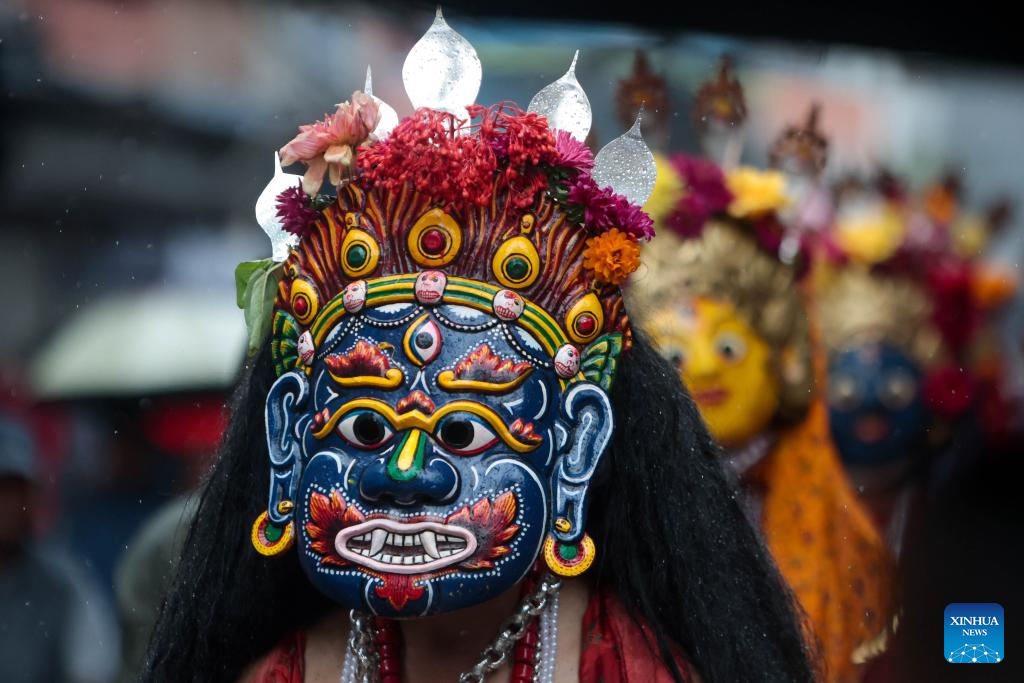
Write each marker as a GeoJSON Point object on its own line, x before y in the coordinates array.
{"type": "Point", "coordinates": [871, 429]}
{"type": "Point", "coordinates": [391, 546]}
{"type": "Point", "coordinates": [711, 397]}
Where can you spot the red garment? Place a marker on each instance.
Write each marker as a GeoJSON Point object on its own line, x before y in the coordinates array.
{"type": "Point", "coordinates": [616, 649]}
{"type": "Point", "coordinates": [619, 649]}
{"type": "Point", "coordinates": [284, 664]}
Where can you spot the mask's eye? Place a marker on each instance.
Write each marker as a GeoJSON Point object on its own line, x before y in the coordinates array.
{"type": "Point", "coordinates": [365, 429]}
{"type": "Point", "coordinates": [463, 435]}
{"type": "Point", "coordinates": [843, 392]}
{"type": "Point", "coordinates": [898, 390]}
{"type": "Point", "coordinates": [675, 356]}
{"type": "Point", "coordinates": [730, 347]}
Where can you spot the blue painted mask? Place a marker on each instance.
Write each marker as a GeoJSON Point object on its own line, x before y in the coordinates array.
{"type": "Point", "coordinates": [431, 433]}
{"type": "Point", "coordinates": [876, 409]}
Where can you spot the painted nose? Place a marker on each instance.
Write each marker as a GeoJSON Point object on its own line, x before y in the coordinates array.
{"type": "Point", "coordinates": [413, 475]}
{"type": "Point", "coordinates": [701, 362]}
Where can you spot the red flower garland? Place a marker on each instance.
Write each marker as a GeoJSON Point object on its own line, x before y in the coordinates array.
{"type": "Point", "coordinates": [437, 153]}
{"type": "Point", "coordinates": [427, 151]}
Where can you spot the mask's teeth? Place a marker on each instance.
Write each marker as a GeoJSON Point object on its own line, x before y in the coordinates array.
{"type": "Point", "coordinates": [377, 544]}
{"type": "Point", "coordinates": [429, 542]}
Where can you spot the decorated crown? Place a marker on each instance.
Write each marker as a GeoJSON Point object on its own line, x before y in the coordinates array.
{"type": "Point", "coordinates": [496, 209]}
{"type": "Point", "coordinates": [801, 149]}
{"type": "Point", "coordinates": [763, 206]}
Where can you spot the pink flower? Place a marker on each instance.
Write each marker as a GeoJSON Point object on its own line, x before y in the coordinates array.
{"type": "Point", "coordinates": [572, 153]}
{"type": "Point", "coordinates": [329, 145]}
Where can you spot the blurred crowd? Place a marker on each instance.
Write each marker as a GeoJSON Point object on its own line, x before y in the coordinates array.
{"type": "Point", "coordinates": [836, 277]}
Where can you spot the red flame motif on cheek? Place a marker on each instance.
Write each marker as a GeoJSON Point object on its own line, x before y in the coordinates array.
{"type": "Point", "coordinates": [327, 516]}
{"type": "Point", "coordinates": [492, 524]}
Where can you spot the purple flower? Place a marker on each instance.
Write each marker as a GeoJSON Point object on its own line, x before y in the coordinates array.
{"type": "Point", "coordinates": [498, 143]}
{"type": "Point", "coordinates": [631, 219]}
{"type": "Point", "coordinates": [603, 209]}
{"type": "Point", "coordinates": [706, 194]}
{"type": "Point", "coordinates": [583, 191]}
{"type": "Point", "coordinates": [572, 153]}
{"type": "Point", "coordinates": [705, 179]}
{"type": "Point", "coordinates": [297, 217]}
{"type": "Point", "coordinates": [689, 217]}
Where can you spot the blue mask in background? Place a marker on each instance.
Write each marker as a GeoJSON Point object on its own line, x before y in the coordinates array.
{"type": "Point", "coordinates": [876, 409]}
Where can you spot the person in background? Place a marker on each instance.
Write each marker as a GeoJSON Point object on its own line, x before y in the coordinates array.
{"type": "Point", "coordinates": [722, 296]}
{"type": "Point", "coordinates": [54, 625]}
{"type": "Point", "coordinates": [144, 574]}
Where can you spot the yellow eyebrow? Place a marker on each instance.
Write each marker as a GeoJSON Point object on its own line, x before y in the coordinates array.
{"type": "Point", "coordinates": [417, 420]}
{"type": "Point", "coordinates": [447, 381]}
{"type": "Point", "coordinates": [391, 380]}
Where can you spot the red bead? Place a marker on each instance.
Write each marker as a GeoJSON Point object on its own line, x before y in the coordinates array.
{"type": "Point", "coordinates": [585, 324]}
{"type": "Point", "coordinates": [300, 305]}
{"type": "Point", "coordinates": [526, 654]}
{"type": "Point", "coordinates": [529, 638]}
{"type": "Point", "coordinates": [522, 672]}
{"type": "Point", "coordinates": [433, 242]}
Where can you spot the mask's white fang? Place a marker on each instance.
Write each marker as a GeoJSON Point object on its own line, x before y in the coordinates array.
{"type": "Point", "coordinates": [388, 115]}
{"type": "Point", "coordinates": [565, 104]}
{"type": "Point", "coordinates": [442, 70]}
{"type": "Point", "coordinates": [281, 241]}
{"type": "Point", "coordinates": [627, 165]}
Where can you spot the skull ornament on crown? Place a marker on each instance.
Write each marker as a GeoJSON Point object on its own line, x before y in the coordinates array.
{"type": "Point", "coordinates": [445, 334]}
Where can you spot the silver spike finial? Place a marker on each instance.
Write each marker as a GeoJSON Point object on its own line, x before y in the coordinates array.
{"type": "Point", "coordinates": [442, 70]}
{"type": "Point", "coordinates": [627, 166]}
{"type": "Point", "coordinates": [565, 104]}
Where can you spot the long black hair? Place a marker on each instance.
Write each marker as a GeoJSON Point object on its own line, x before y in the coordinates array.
{"type": "Point", "coordinates": [673, 542]}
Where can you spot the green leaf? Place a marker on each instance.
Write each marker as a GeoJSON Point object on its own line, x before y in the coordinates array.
{"type": "Point", "coordinates": [601, 360]}
{"type": "Point", "coordinates": [243, 273]}
{"type": "Point", "coordinates": [258, 300]}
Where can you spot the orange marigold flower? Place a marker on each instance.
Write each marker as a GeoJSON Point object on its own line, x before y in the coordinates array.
{"type": "Point", "coordinates": [611, 256]}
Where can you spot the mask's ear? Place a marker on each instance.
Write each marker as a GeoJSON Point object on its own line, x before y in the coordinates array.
{"type": "Point", "coordinates": [284, 443]}
{"type": "Point", "coordinates": [586, 408]}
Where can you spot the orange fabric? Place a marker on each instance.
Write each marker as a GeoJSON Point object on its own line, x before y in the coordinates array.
{"type": "Point", "coordinates": [824, 542]}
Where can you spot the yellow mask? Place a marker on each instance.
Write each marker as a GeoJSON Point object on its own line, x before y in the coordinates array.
{"type": "Point", "coordinates": [727, 367]}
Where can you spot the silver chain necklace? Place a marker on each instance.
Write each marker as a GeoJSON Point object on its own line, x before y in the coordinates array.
{"type": "Point", "coordinates": [362, 661]}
